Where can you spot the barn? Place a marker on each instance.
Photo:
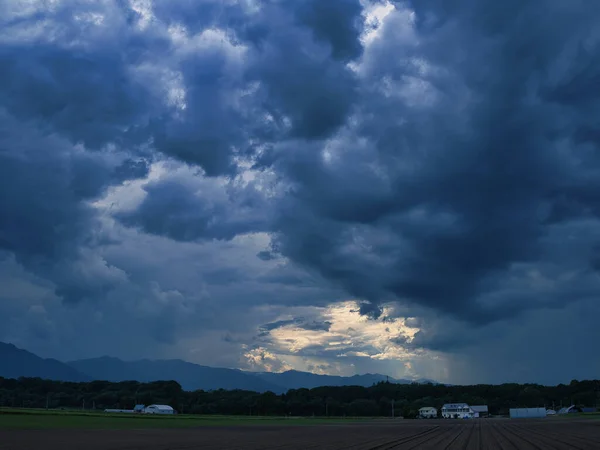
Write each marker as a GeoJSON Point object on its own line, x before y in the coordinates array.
{"type": "Point", "coordinates": [158, 409]}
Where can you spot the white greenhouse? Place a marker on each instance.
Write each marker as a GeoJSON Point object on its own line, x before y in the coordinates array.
{"type": "Point", "coordinates": [158, 409]}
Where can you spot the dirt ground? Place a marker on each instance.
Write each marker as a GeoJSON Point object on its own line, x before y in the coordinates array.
{"type": "Point", "coordinates": [486, 434]}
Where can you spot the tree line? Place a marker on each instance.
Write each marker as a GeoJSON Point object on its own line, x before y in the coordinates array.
{"type": "Point", "coordinates": [382, 399]}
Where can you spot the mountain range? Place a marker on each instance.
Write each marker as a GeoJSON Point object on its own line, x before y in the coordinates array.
{"type": "Point", "coordinates": [15, 362]}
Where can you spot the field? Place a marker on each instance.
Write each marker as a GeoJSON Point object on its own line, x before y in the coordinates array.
{"type": "Point", "coordinates": [93, 431]}
{"type": "Point", "coordinates": [31, 419]}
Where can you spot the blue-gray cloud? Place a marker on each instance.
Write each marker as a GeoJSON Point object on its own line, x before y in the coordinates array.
{"type": "Point", "coordinates": [448, 163]}
{"type": "Point", "coordinates": [299, 322]}
{"type": "Point", "coordinates": [445, 200]}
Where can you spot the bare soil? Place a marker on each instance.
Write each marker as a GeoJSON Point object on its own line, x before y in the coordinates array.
{"type": "Point", "coordinates": [551, 434]}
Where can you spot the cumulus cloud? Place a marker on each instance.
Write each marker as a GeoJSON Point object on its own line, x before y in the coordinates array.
{"type": "Point", "coordinates": [195, 169]}
{"type": "Point", "coordinates": [440, 203]}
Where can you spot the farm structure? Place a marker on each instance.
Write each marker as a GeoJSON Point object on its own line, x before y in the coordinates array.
{"type": "Point", "coordinates": [428, 412]}
{"type": "Point", "coordinates": [480, 410]}
{"type": "Point", "coordinates": [577, 409]}
{"type": "Point", "coordinates": [527, 413]}
{"type": "Point", "coordinates": [457, 411]}
{"type": "Point", "coordinates": [142, 409]}
{"type": "Point", "coordinates": [569, 410]}
{"type": "Point", "coordinates": [158, 409]}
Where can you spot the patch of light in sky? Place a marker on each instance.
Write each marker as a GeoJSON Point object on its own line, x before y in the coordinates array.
{"type": "Point", "coordinates": [130, 194]}
{"type": "Point", "coordinates": [144, 9]}
{"type": "Point", "coordinates": [350, 334]}
{"type": "Point", "coordinates": [375, 15]}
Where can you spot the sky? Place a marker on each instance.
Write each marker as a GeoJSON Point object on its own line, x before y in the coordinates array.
{"type": "Point", "coordinates": [347, 186]}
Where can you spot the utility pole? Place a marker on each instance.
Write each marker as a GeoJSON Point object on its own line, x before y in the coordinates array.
{"type": "Point", "coordinates": [83, 407]}
{"type": "Point", "coordinates": [326, 409]}
{"type": "Point", "coordinates": [47, 400]}
{"type": "Point", "coordinates": [392, 408]}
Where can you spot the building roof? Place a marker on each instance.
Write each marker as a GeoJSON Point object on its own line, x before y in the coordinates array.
{"type": "Point", "coordinates": [479, 408]}
{"type": "Point", "coordinates": [455, 405]}
{"type": "Point", "coordinates": [426, 407]}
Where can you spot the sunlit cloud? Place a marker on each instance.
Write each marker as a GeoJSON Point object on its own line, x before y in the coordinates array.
{"type": "Point", "coordinates": [328, 336]}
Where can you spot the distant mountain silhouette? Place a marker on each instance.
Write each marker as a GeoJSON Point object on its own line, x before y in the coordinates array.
{"type": "Point", "coordinates": [190, 376]}
{"type": "Point", "coordinates": [15, 363]}
{"type": "Point", "coordinates": [293, 379]}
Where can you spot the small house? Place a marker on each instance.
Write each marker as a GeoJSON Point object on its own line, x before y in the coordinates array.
{"type": "Point", "coordinates": [428, 412]}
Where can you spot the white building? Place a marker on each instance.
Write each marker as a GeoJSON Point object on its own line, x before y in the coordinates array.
{"type": "Point", "coordinates": [428, 412]}
{"type": "Point", "coordinates": [527, 413]}
{"type": "Point", "coordinates": [158, 409]}
{"type": "Point", "coordinates": [457, 411]}
{"type": "Point", "coordinates": [480, 410]}
{"type": "Point", "coordinates": [569, 410]}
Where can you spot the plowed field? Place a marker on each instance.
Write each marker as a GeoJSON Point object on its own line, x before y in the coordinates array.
{"type": "Point", "coordinates": [485, 434]}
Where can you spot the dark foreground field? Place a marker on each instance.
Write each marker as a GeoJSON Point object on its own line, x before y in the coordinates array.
{"type": "Point", "coordinates": [477, 434]}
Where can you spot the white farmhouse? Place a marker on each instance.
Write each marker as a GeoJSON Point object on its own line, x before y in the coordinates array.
{"type": "Point", "coordinates": [158, 409]}
{"type": "Point", "coordinates": [428, 412]}
{"type": "Point", "coordinates": [457, 411]}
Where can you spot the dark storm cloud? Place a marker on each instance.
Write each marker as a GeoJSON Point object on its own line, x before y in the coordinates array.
{"type": "Point", "coordinates": [265, 255]}
{"type": "Point", "coordinates": [188, 213]}
{"type": "Point", "coordinates": [299, 322]}
{"type": "Point", "coordinates": [286, 61]}
{"type": "Point", "coordinates": [446, 198]}
{"type": "Point", "coordinates": [60, 98]}
{"type": "Point", "coordinates": [298, 78]}
{"type": "Point", "coordinates": [278, 324]}
{"type": "Point", "coordinates": [46, 218]}
{"type": "Point", "coordinates": [337, 23]}
{"type": "Point", "coordinates": [83, 91]}
{"type": "Point", "coordinates": [451, 164]}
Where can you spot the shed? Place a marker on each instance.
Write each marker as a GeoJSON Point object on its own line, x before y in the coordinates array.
{"type": "Point", "coordinates": [428, 412]}
{"type": "Point", "coordinates": [527, 413]}
{"type": "Point", "coordinates": [480, 410]}
{"type": "Point", "coordinates": [158, 409]}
